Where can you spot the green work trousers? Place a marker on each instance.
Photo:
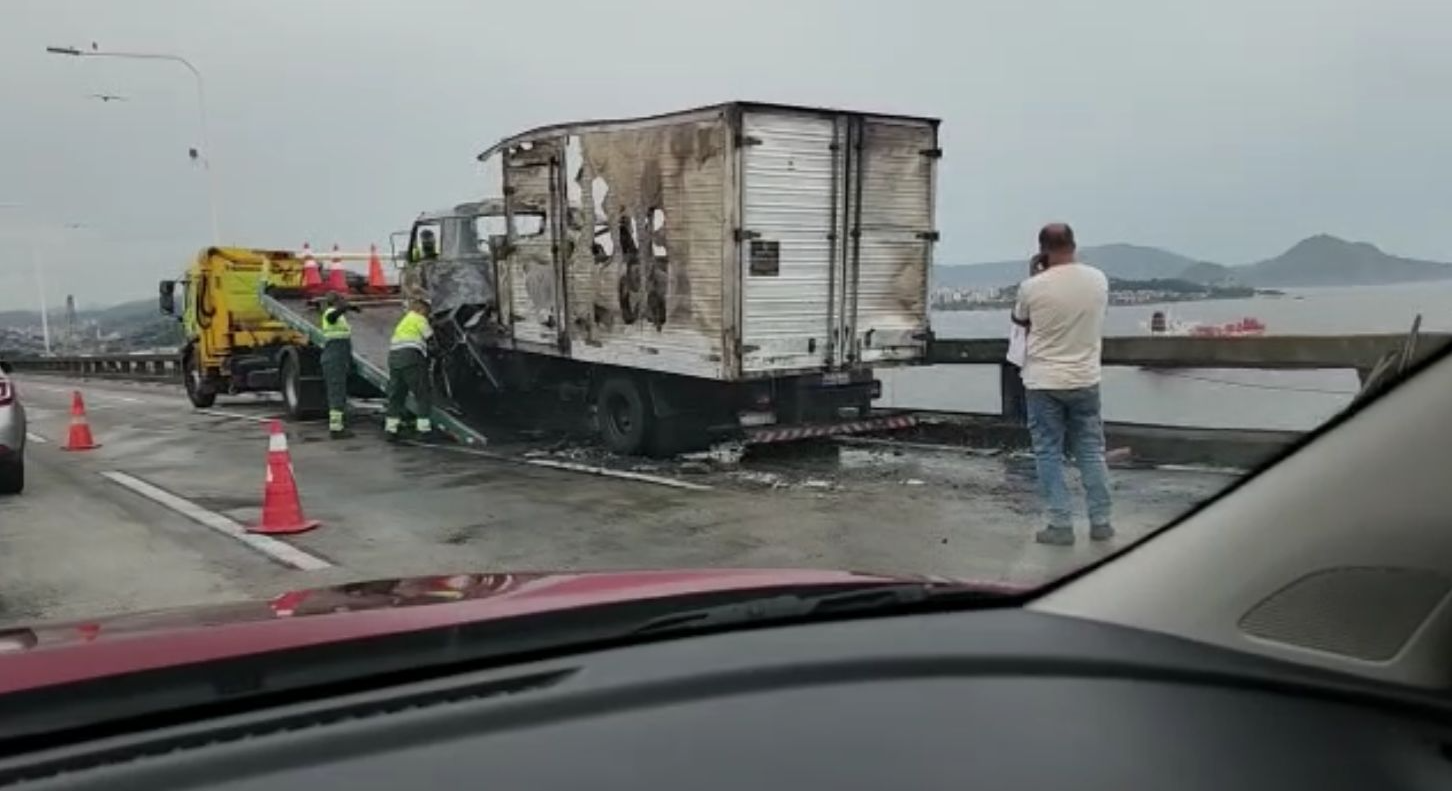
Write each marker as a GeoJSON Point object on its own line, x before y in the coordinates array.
{"type": "Point", "coordinates": [408, 372]}
{"type": "Point", "coordinates": [337, 365]}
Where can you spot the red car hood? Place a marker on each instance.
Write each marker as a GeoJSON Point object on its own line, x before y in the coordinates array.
{"type": "Point", "coordinates": [58, 653]}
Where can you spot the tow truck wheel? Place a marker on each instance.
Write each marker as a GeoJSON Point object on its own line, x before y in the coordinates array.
{"type": "Point", "coordinates": [300, 396]}
{"type": "Point", "coordinates": [199, 391]}
{"type": "Point", "coordinates": [622, 411]}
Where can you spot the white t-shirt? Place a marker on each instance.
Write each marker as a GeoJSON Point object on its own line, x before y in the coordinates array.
{"type": "Point", "coordinates": [1065, 308]}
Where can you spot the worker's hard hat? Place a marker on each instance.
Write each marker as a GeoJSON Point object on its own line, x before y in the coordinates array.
{"type": "Point", "coordinates": [427, 233]}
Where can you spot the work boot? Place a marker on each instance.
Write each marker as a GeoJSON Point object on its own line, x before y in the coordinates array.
{"type": "Point", "coordinates": [342, 433]}
{"type": "Point", "coordinates": [1101, 532]}
{"type": "Point", "coordinates": [1056, 536]}
{"type": "Point", "coordinates": [392, 437]}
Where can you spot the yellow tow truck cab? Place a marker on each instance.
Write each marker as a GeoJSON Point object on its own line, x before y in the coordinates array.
{"type": "Point", "coordinates": [233, 345]}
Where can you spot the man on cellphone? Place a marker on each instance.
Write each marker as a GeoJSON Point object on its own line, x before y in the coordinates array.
{"type": "Point", "coordinates": [1063, 309]}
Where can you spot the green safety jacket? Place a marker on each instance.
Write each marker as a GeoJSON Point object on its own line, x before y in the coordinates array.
{"type": "Point", "coordinates": [335, 325]}
{"type": "Point", "coordinates": [413, 332]}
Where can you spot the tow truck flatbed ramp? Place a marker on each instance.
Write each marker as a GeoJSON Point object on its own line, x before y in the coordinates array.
{"type": "Point", "coordinates": [372, 329]}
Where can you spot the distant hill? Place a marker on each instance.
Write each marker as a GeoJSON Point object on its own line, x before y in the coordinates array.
{"type": "Point", "coordinates": [141, 310]}
{"type": "Point", "coordinates": [1321, 260]}
{"type": "Point", "coordinates": [130, 325]}
{"type": "Point", "coordinates": [1122, 261]}
{"type": "Point", "coordinates": [1206, 273]}
{"type": "Point", "coordinates": [1325, 260]}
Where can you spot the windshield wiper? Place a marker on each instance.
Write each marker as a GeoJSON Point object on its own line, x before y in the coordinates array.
{"type": "Point", "coordinates": [809, 604]}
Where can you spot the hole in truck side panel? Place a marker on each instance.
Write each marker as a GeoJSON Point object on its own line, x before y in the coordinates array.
{"type": "Point", "coordinates": [657, 233]}
{"type": "Point", "coordinates": [765, 258]}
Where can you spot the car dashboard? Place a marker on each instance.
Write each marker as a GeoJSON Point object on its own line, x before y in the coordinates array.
{"type": "Point", "coordinates": [994, 699]}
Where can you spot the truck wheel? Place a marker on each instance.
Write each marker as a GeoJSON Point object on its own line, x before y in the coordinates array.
{"type": "Point", "coordinates": [301, 397]}
{"type": "Point", "coordinates": [623, 414]}
{"type": "Point", "coordinates": [12, 476]}
{"type": "Point", "coordinates": [200, 392]}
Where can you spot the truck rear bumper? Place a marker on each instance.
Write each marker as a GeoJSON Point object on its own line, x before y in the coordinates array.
{"type": "Point", "coordinates": [767, 435]}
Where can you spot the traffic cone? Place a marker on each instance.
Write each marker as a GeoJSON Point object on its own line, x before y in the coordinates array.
{"type": "Point", "coordinates": [281, 508]}
{"type": "Point", "coordinates": [80, 437]}
{"type": "Point", "coordinates": [312, 281]}
{"type": "Point", "coordinates": [285, 605]}
{"type": "Point", "coordinates": [376, 282]}
{"type": "Point", "coordinates": [337, 277]}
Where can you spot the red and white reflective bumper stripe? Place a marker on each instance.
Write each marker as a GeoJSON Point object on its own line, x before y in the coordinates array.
{"type": "Point", "coordinates": [763, 436]}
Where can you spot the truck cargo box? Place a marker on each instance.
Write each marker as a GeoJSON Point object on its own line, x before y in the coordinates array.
{"type": "Point", "coordinates": [733, 242]}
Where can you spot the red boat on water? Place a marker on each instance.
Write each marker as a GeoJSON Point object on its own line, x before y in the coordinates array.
{"type": "Point", "coordinates": [1161, 324]}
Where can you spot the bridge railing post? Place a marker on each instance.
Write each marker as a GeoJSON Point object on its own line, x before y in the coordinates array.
{"type": "Point", "coordinates": [1013, 398]}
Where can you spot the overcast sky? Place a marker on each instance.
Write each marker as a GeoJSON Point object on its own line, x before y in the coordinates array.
{"type": "Point", "coordinates": [1225, 130]}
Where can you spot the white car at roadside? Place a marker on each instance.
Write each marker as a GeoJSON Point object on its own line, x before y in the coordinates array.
{"type": "Point", "coordinates": [12, 435]}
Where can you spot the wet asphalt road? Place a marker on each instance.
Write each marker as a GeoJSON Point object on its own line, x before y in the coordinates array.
{"type": "Point", "coordinates": [77, 543]}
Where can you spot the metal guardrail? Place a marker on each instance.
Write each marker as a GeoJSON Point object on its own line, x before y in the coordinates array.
{"type": "Point", "coordinates": [1363, 353]}
{"type": "Point", "coordinates": [144, 367]}
{"type": "Point", "coordinates": [1281, 352]}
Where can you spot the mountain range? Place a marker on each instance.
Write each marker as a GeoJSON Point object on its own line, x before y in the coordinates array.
{"type": "Point", "coordinates": [1321, 260]}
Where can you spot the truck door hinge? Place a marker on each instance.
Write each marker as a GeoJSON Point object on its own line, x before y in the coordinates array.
{"type": "Point", "coordinates": [747, 140]}
{"type": "Point", "coordinates": [743, 235]}
{"type": "Point", "coordinates": [928, 236]}
{"type": "Point", "coordinates": [932, 153]}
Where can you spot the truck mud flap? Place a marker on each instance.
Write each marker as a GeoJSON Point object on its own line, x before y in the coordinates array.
{"type": "Point", "coordinates": [769, 434]}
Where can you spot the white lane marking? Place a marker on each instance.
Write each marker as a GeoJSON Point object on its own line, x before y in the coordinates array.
{"type": "Point", "coordinates": [238, 415]}
{"type": "Point", "coordinates": [605, 472]}
{"type": "Point", "coordinates": [282, 552]}
{"type": "Point", "coordinates": [627, 475]}
{"type": "Point", "coordinates": [95, 396]}
{"type": "Point", "coordinates": [36, 438]}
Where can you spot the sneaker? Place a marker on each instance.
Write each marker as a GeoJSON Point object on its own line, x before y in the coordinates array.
{"type": "Point", "coordinates": [1056, 536]}
{"type": "Point", "coordinates": [1101, 532]}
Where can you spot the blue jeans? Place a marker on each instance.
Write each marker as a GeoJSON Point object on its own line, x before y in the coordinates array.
{"type": "Point", "coordinates": [1069, 419]}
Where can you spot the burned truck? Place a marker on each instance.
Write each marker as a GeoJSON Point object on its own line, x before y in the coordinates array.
{"type": "Point", "coordinates": [740, 268]}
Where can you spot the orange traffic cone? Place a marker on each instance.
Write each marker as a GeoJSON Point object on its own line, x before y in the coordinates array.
{"type": "Point", "coordinates": [376, 282]}
{"type": "Point", "coordinates": [312, 281]}
{"type": "Point", "coordinates": [281, 508]}
{"type": "Point", "coordinates": [337, 277]}
{"type": "Point", "coordinates": [80, 437]}
{"type": "Point", "coordinates": [285, 604]}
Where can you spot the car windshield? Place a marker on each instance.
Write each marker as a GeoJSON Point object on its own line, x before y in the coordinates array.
{"type": "Point", "coordinates": [895, 293]}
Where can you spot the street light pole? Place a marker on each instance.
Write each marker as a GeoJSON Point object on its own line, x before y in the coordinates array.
{"type": "Point", "coordinates": [39, 271]}
{"type": "Point", "coordinates": [40, 287]}
{"type": "Point", "coordinates": [201, 112]}
{"type": "Point", "coordinates": [39, 280]}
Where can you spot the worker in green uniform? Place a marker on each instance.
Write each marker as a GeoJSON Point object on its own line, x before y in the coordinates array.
{"type": "Point", "coordinates": [408, 370]}
{"type": "Point", "coordinates": [337, 361]}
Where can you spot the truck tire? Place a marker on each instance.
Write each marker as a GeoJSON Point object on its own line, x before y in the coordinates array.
{"type": "Point", "coordinates": [12, 476]}
{"type": "Point", "coordinates": [303, 397]}
{"type": "Point", "coordinates": [624, 415]}
{"type": "Point", "coordinates": [201, 392]}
